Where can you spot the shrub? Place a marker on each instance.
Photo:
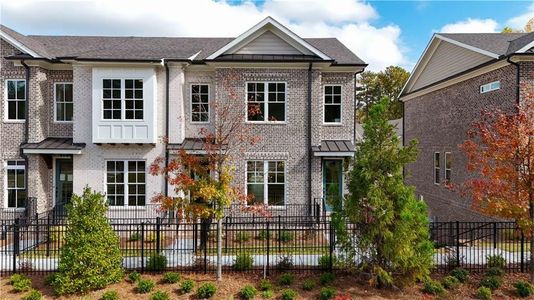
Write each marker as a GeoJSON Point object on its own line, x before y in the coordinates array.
{"type": "Point", "coordinates": [286, 279]}
{"type": "Point", "coordinates": [495, 261]}
{"type": "Point", "coordinates": [492, 282]}
{"type": "Point", "coordinates": [248, 292]}
{"type": "Point", "coordinates": [243, 262]}
{"type": "Point", "coordinates": [308, 284]}
{"type": "Point", "coordinates": [134, 277]}
{"type": "Point", "coordinates": [145, 286]}
{"type": "Point", "coordinates": [171, 277]}
{"type": "Point", "coordinates": [286, 236]}
{"type": "Point", "coordinates": [327, 293]}
{"type": "Point", "coordinates": [90, 258]}
{"type": "Point", "coordinates": [187, 286]}
{"type": "Point", "coordinates": [494, 272]}
{"type": "Point", "coordinates": [56, 234]}
{"type": "Point", "coordinates": [326, 278]}
{"type": "Point", "coordinates": [285, 262]}
{"type": "Point", "coordinates": [110, 295]}
{"type": "Point", "coordinates": [324, 262]}
{"type": "Point", "coordinates": [207, 290]}
{"type": "Point", "coordinates": [23, 284]}
{"type": "Point", "coordinates": [156, 262]}
{"type": "Point", "coordinates": [134, 237]}
{"type": "Point", "coordinates": [268, 294]}
{"type": "Point", "coordinates": [265, 285]}
{"type": "Point", "coordinates": [523, 289]}
{"type": "Point", "coordinates": [49, 280]}
{"type": "Point", "coordinates": [16, 277]}
{"type": "Point", "coordinates": [461, 274]}
{"type": "Point", "coordinates": [484, 293]}
{"type": "Point", "coordinates": [450, 282]}
{"type": "Point", "coordinates": [289, 294]}
{"type": "Point", "coordinates": [383, 278]}
{"type": "Point", "coordinates": [33, 295]}
{"type": "Point", "coordinates": [242, 237]}
{"type": "Point", "coordinates": [159, 295]}
{"type": "Point", "coordinates": [263, 235]}
{"type": "Point", "coordinates": [433, 287]}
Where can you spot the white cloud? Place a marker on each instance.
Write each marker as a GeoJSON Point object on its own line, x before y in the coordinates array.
{"type": "Point", "coordinates": [519, 22]}
{"type": "Point", "coordinates": [471, 26]}
{"type": "Point", "coordinates": [348, 20]}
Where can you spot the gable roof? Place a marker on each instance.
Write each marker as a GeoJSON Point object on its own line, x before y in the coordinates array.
{"type": "Point", "coordinates": [496, 43]}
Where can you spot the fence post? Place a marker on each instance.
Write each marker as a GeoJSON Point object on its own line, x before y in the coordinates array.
{"type": "Point", "coordinates": [206, 255]}
{"type": "Point", "coordinates": [268, 244]}
{"type": "Point", "coordinates": [522, 252]}
{"type": "Point", "coordinates": [225, 235]}
{"type": "Point", "coordinates": [457, 243]}
{"type": "Point", "coordinates": [331, 248]}
{"type": "Point", "coordinates": [158, 235]}
{"type": "Point", "coordinates": [142, 246]}
{"type": "Point", "coordinates": [279, 234]}
{"type": "Point", "coordinates": [494, 235]}
{"type": "Point", "coordinates": [16, 243]}
{"type": "Point", "coordinates": [48, 236]}
{"type": "Point", "coordinates": [37, 228]}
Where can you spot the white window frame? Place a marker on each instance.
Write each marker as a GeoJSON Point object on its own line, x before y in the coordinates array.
{"type": "Point", "coordinates": [437, 181]}
{"type": "Point", "coordinates": [332, 104]}
{"type": "Point", "coordinates": [56, 103]}
{"type": "Point", "coordinates": [191, 103]}
{"type": "Point", "coordinates": [6, 101]}
{"type": "Point", "coordinates": [6, 193]}
{"type": "Point", "coordinates": [489, 87]}
{"type": "Point", "coordinates": [123, 100]}
{"type": "Point", "coordinates": [266, 103]}
{"type": "Point", "coordinates": [266, 180]}
{"type": "Point", "coordinates": [125, 184]}
{"type": "Point", "coordinates": [448, 180]}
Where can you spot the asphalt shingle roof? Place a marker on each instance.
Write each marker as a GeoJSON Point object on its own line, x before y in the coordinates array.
{"type": "Point", "coordinates": [498, 43]}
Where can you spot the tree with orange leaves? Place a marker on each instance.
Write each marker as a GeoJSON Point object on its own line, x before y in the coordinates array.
{"type": "Point", "coordinates": [500, 153]}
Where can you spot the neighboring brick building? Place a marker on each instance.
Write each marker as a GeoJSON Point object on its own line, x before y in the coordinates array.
{"type": "Point", "coordinates": [457, 77]}
{"type": "Point", "coordinates": [93, 109]}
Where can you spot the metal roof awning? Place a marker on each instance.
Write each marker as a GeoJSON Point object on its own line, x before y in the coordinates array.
{"type": "Point", "coordinates": [190, 145]}
{"type": "Point", "coordinates": [53, 146]}
{"type": "Point", "coordinates": [331, 148]}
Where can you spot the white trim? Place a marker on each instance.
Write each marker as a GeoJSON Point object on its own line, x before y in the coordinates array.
{"type": "Point", "coordinates": [6, 194]}
{"type": "Point", "coordinates": [340, 105]}
{"type": "Point", "coordinates": [526, 47]}
{"type": "Point", "coordinates": [266, 181]}
{"type": "Point", "coordinates": [55, 103]}
{"type": "Point", "coordinates": [434, 168]}
{"type": "Point", "coordinates": [343, 186]}
{"type": "Point", "coordinates": [241, 38]}
{"type": "Point", "coordinates": [191, 103]}
{"type": "Point", "coordinates": [266, 103]}
{"type": "Point", "coordinates": [125, 183]}
{"type": "Point", "coordinates": [52, 151]}
{"type": "Point", "coordinates": [333, 154]}
{"type": "Point", "coordinates": [445, 167]}
{"type": "Point", "coordinates": [469, 47]}
{"type": "Point", "coordinates": [490, 87]}
{"type": "Point", "coordinates": [18, 44]}
{"type": "Point", "coordinates": [6, 110]}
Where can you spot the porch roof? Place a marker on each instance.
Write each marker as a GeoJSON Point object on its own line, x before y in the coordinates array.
{"type": "Point", "coordinates": [53, 145]}
{"type": "Point", "coordinates": [334, 148]}
{"type": "Point", "coordinates": [190, 145]}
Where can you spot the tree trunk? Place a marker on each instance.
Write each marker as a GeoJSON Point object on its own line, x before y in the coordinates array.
{"type": "Point", "coordinates": [219, 249]}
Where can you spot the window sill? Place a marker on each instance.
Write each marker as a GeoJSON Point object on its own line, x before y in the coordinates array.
{"type": "Point", "coordinates": [13, 209]}
{"type": "Point", "coordinates": [266, 123]}
{"type": "Point", "coordinates": [332, 124]}
{"type": "Point", "coordinates": [63, 122]}
{"type": "Point", "coordinates": [14, 121]}
{"type": "Point", "coordinates": [199, 123]}
{"type": "Point", "coordinates": [127, 207]}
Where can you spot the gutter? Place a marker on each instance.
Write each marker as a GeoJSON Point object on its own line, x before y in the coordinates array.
{"type": "Point", "coordinates": [355, 87]}
{"type": "Point", "coordinates": [310, 210]}
{"type": "Point", "coordinates": [517, 78]}
{"type": "Point", "coordinates": [26, 128]}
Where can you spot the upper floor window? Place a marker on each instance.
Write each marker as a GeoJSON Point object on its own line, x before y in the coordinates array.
{"type": "Point", "coordinates": [16, 184]}
{"type": "Point", "coordinates": [448, 166]}
{"type": "Point", "coordinates": [332, 104]}
{"type": "Point", "coordinates": [16, 100]}
{"type": "Point", "coordinates": [266, 182]}
{"type": "Point", "coordinates": [126, 183]}
{"type": "Point", "coordinates": [200, 109]}
{"type": "Point", "coordinates": [63, 102]}
{"type": "Point", "coordinates": [437, 168]}
{"type": "Point", "coordinates": [266, 101]}
{"type": "Point", "coordinates": [117, 91]}
{"type": "Point", "coordinates": [492, 86]}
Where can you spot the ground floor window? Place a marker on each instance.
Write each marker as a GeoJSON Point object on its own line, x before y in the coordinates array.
{"type": "Point", "coordinates": [16, 184]}
{"type": "Point", "coordinates": [125, 181]}
{"type": "Point", "coordinates": [266, 182]}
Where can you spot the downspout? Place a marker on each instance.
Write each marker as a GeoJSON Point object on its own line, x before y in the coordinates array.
{"type": "Point", "coordinates": [310, 203]}
{"type": "Point", "coordinates": [167, 89]}
{"type": "Point", "coordinates": [517, 78]}
{"type": "Point", "coordinates": [26, 129]}
{"type": "Point", "coordinates": [355, 104]}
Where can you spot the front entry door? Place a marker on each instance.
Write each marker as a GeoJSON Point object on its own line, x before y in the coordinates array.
{"type": "Point", "coordinates": [63, 180]}
{"type": "Point", "coordinates": [332, 181]}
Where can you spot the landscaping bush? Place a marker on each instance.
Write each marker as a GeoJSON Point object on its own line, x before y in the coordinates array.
{"type": "Point", "coordinates": [145, 286]}
{"type": "Point", "coordinates": [450, 282]}
{"type": "Point", "coordinates": [523, 289]}
{"type": "Point", "coordinates": [90, 258]}
{"type": "Point", "coordinates": [187, 286]}
{"type": "Point", "coordinates": [326, 278]}
{"type": "Point", "coordinates": [134, 237]}
{"type": "Point", "coordinates": [243, 262]}
{"type": "Point", "coordinates": [23, 284]}
{"type": "Point", "coordinates": [265, 285]}
{"type": "Point", "coordinates": [308, 284]}
{"type": "Point", "coordinates": [159, 295]}
{"type": "Point", "coordinates": [242, 237]}
{"type": "Point", "coordinates": [248, 292]}
{"type": "Point", "coordinates": [207, 290]}
{"type": "Point", "coordinates": [383, 278]}
{"type": "Point", "coordinates": [484, 293]}
{"type": "Point", "coordinates": [49, 280]}
{"type": "Point", "coordinates": [289, 294]}
{"type": "Point", "coordinates": [134, 277]}
{"type": "Point", "coordinates": [286, 279]}
{"type": "Point", "coordinates": [492, 282]}
{"type": "Point", "coordinates": [263, 235]}
{"type": "Point", "coordinates": [285, 262]}
{"type": "Point", "coordinates": [433, 287]}
{"type": "Point", "coordinates": [324, 262]}
{"type": "Point", "coordinates": [286, 236]}
{"type": "Point", "coordinates": [461, 274]}
{"type": "Point", "coordinates": [495, 261]}
{"type": "Point", "coordinates": [171, 277]}
{"type": "Point", "coordinates": [33, 295]}
{"type": "Point", "coordinates": [327, 293]}
{"type": "Point", "coordinates": [110, 295]}
{"type": "Point", "coordinates": [156, 262]}
{"type": "Point", "coordinates": [268, 294]}
{"type": "Point", "coordinates": [16, 277]}
{"type": "Point", "coordinates": [494, 272]}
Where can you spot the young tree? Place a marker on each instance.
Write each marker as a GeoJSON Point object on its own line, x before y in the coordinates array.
{"type": "Point", "coordinates": [90, 258]}
{"type": "Point", "coordinates": [388, 231]}
{"type": "Point", "coordinates": [500, 153]}
{"type": "Point", "coordinates": [206, 183]}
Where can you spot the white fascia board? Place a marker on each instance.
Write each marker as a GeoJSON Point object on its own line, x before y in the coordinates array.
{"type": "Point", "coordinates": [52, 151]}
{"type": "Point", "coordinates": [469, 47]}
{"type": "Point", "coordinates": [527, 47]}
{"type": "Point", "coordinates": [416, 68]}
{"type": "Point", "coordinates": [334, 154]}
{"type": "Point", "coordinates": [18, 44]}
{"type": "Point", "coordinates": [259, 26]}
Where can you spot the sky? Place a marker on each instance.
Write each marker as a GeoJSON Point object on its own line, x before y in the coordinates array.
{"type": "Point", "coordinates": [382, 33]}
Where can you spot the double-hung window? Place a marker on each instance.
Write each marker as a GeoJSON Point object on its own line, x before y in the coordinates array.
{"type": "Point", "coordinates": [16, 184]}
{"type": "Point", "coordinates": [200, 110]}
{"type": "Point", "coordinates": [266, 101]}
{"type": "Point", "coordinates": [448, 167]}
{"type": "Point", "coordinates": [126, 185]}
{"type": "Point", "coordinates": [437, 168]}
{"type": "Point", "coordinates": [117, 91]}
{"type": "Point", "coordinates": [266, 182]}
{"type": "Point", "coordinates": [63, 100]}
{"type": "Point", "coordinates": [16, 100]}
{"type": "Point", "coordinates": [332, 104]}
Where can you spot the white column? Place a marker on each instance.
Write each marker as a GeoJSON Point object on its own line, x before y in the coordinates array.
{"type": "Point", "coordinates": [176, 105]}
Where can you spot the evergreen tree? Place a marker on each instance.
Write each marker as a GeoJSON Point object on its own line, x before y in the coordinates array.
{"type": "Point", "coordinates": [90, 257]}
{"type": "Point", "coordinates": [389, 235]}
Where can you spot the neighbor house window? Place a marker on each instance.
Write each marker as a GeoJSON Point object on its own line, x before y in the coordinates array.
{"type": "Point", "coordinates": [332, 104]}
{"type": "Point", "coordinates": [448, 166]}
{"type": "Point", "coordinates": [266, 182]}
{"type": "Point", "coordinates": [492, 86]}
{"type": "Point", "coordinates": [200, 110]}
{"type": "Point", "coordinates": [437, 168]}
{"type": "Point", "coordinates": [63, 99]}
{"type": "Point", "coordinates": [126, 184]}
{"type": "Point", "coordinates": [115, 91]}
{"type": "Point", "coordinates": [16, 185]}
{"type": "Point", "coordinates": [16, 100]}
{"type": "Point", "coordinates": [266, 101]}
